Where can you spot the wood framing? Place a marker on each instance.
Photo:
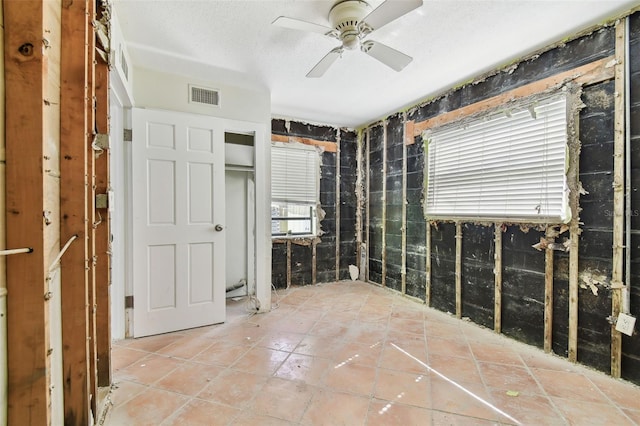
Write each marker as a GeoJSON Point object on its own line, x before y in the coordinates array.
{"type": "Point", "coordinates": [74, 213]}
{"type": "Point", "coordinates": [548, 290]}
{"type": "Point", "coordinates": [587, 74]}
{"type": "Point", "coordinates": [90, 132]}
{"type": "Point", "coordinates": [497, 271]}
{"type": "Point", "coordinates": [102, 269]}
{"type": "Point", "coordinates": [458, 270]}
{"type": "Point", "coordinates": [326, 145]}
{"type": "Point", "coordinates": [427, 285]}
{"type": "Point", "coordinates": [404, 210]}
{"type": "Point", "coordinates": [617, 269]}
{"type": "Point", "coordinates": [383, 226]}
{"type": "Point", "coordinates": [367, 200]}
{"type": "Point", "coordinates": [29, 72]}
{"type": "Point", "coordinates": [337, 189]}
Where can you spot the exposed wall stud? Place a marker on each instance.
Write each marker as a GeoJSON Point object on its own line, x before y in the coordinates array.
{"type": "Point", "coordinates": [314, 258]}
{"type": "Point", "coordinates": [360, 200]}
{"type": "Point", "coordinates": [75, 101]}
{"type": "Point", "coordinates": [428, 265]}
{"type": "Point", "coordinates": [573, 182]}
{"type": "Point", "coordinates": [404, 209]}
{"type": "Point", "coordinates": [497, 271]}
{"type": "Point", "coordinates": [384, 205]}
{"type": "Point", "coordinates": [458, 270]}
{"type": "Point", "coordinates": [288, 263]}
{"type": "Point", "coordinates": [617, 269]}
{"type": "Point", "coordinates": [337, 217]}
{"type": "Point", "coordinates": [367, 198]}
{"type": "Point", "coordinates": [548, 290]}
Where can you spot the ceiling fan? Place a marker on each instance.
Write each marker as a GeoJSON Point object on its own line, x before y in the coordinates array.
{"type": "Point", "coordinates": [351, 22]}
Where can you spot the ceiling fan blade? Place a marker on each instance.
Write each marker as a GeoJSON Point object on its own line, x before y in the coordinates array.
{"type": "Point", "coordinates": [388, 11]}
{"type": "Point", "coordinates": [324, 64]}
{"type": "Point", "coordinates": [297, 24]}
{"type": "Point", "coordinates": [387, 55]}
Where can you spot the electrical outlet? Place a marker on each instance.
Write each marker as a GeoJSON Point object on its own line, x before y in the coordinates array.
{"type": "Point", "coordinates": [625, 324]}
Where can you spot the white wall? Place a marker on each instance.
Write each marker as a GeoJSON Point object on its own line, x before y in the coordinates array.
{"type": "Point", "coordinates": [159, 90]}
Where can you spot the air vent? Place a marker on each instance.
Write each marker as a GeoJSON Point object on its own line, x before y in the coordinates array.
{"type": "Point", "coordinates": [203, 95]}
{"type": "Point", "coordinates": [123, 64]}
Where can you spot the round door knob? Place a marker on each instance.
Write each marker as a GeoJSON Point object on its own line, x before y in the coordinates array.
{"type": "Point", "coordinates": [219, 228]}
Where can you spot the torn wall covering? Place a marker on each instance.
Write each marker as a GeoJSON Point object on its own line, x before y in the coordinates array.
{"type": "Point", "coordinates": [400, 256]}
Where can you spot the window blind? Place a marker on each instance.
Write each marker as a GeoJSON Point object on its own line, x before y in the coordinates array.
{"type": "Point", "coordinates": [294, 173]}
{"type": "Point", "coordinates": [504, 166]}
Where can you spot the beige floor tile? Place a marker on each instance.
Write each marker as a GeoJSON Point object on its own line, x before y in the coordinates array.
{"type": "Point", "coordinates": [149, 369]}
{"type": "Point", "coordinates": [404, 388]}
{"type": "Point", "coordinates": [350, 353]}
{"type": "Point", "coordinates": [352, 378]}
{"type": "Point", "coordinates": [283, 399]}
{"type": "Point", "coordinates": [149, 408]}
{"type": "Point", "coordinates": [234, 388]}
{"type": "Point", "coordinates": [260, 361]}
{"type": "Point", "coordinates": [203, 413]}
{"type": "Point", "coordinates": [334, 408]}
{"type": "Point", "coordinates": [385, 413]}
{"type": "Point", "coordinates": [306, 368]}
{"type": "Point", "coordinates": [590, 413]}
{"type": "Point", "coordinates": [189, 378]}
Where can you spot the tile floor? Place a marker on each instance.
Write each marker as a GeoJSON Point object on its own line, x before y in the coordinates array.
{"type": "Point", "coordinates": [351, 353]}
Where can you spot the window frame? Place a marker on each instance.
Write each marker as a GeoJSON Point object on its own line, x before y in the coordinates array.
{"type": "Point", "coordinates": [309, 151]}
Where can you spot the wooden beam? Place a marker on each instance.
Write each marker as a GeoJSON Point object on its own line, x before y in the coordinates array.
{"type": "Point", "coordinates": [326, 145]}
{"type": "Point", "coordinates": [288, 263]}
{"type": "Point", "coordinates": [26, 78]}
{"type": "Point", "coordinates": [618, 198]}
{"type": "Point", "coordinates": [367, 199]}
{"type": "Point", "coordinates": [383, 226]}
{"type": "Point", "coordinates": [427, 297]}
{"type": "Point", "coordinates": [458, 270]}
{"type": "Point", "coordinates": [337, 211]}
{"type": "Point", "coordinates": [409, 131]}
{"type": "Point", "coordinates": [548, 291]}
{"type": "Point", "coordinates": [573, 182]}
{"type": "Point", "coordinates": [587, 74]}
{"type": "Point", "coordinates": [90, 131]}
{"type": "Point", "coordinates": [73, 206]}
{"type": "Point", "coordinates": [404, 211]}
{"type": "Point", "coordinates": [497, 271]}
{"type": "Point", "coordinates": [102, 232]}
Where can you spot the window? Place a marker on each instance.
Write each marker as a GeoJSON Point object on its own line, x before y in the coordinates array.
{"type": "Point", "coordinates": [508, 165]}
{"type": "Point", "coordinates": [294, 189]}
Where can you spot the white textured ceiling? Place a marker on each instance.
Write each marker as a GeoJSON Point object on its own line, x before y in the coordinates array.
{"type": "Point", "coordinates": [451, 41]}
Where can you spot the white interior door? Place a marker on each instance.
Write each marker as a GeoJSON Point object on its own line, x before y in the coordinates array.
{"type": "Point", "coordinates": [178, 221]}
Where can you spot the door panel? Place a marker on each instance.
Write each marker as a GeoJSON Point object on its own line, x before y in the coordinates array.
{"type": "Point", "coordinates": [178, 199]}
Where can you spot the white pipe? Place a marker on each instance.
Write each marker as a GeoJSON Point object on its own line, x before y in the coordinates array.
{"type": "Point", "coordinates": [16, 251]}
{"type": "Point", "coordinates": [55, 262]}
{"type": "Point", "coordinates": [626, 291]}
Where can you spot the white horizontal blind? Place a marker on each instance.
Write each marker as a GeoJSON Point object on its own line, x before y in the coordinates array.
{"type": "Point", "coordinates": [503, 166]}
{"type": "Point", "coordinates": [294, 173]}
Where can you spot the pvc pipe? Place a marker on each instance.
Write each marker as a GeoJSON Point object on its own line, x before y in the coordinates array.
{"type": "Point", "coordinates": [16, 251]}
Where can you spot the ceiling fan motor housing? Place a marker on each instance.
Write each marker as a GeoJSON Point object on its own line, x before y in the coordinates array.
{"type": "Point", "coordinates": [345, 16]}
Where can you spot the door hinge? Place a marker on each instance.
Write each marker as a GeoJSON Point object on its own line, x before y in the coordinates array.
{"type": "Point", "coordinates": [128, 302]}
{"type": "Point", "coordinates": [127, 135]}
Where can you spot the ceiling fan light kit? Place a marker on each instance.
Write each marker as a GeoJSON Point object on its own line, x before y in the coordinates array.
{"type": "Point", "coordinates": [351, 22]}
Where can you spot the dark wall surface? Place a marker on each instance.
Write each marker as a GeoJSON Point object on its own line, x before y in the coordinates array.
{"type": "Point", "coordinates": [338, 225]}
